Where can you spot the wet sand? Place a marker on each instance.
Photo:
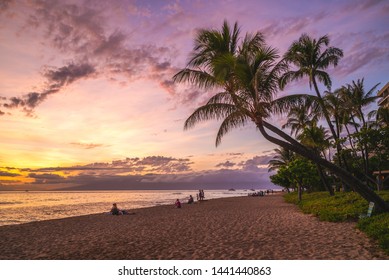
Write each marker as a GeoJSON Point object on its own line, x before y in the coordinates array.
{"type": "Point", "coordinates": [226, 228]}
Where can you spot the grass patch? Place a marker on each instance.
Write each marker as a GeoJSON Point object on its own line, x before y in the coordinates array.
{"type": "Point", "coordinates": [346, 207]}
{"type": "Point", "coordinates": [377, 227]}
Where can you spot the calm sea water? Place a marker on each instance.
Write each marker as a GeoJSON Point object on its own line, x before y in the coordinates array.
{"type": "Point", "coordinates": [24, 207]}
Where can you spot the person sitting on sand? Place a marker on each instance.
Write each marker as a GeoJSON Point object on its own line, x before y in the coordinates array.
{"type": "Point", "coordinates": [115, 210]}
{"type": "Point", "coordinates": [190, 200]}
{"type": "Point", "coordinates": [178, 203]}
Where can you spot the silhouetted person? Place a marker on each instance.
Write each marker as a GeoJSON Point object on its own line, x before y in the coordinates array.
{"type": "Point", "coordinates": [115, 210]}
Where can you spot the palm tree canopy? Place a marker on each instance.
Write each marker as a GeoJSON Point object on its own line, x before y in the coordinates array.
{"type": "Point", "coordinates": [213, 51]}
{"type": "Point", "coordinates": [357, 98]}
{"type": "Point", "coordinates": [282, 158]}
{"type": "Point", "coordinates": [246, 72]}
{"type": "Point", "coordinates": [306, 114]}
{"type": "Point", "coordinates": [314, 137]}
{"type": "Point", "coordinates": [311, 57]}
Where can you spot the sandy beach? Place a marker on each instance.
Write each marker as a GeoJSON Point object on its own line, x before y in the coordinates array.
{"type": "Point", "coordinates": [227, 228]}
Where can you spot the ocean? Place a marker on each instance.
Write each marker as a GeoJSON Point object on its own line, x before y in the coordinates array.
{"type": "Point", "coordinates": [23, 207]}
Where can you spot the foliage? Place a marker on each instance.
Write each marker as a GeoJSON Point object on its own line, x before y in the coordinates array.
{"type": "Point", "coordinates": [375, 139]}
{"type": "Point", "coordinates": [282, 158]}
{"type": "Point", "coordinates": [282, 178]}
{"type": "Point", "coordinates": [346, 206]}
{"type": "Point", "coordinates": [299, 172]}
{"type": "Point", "coordinates": [377, 227]}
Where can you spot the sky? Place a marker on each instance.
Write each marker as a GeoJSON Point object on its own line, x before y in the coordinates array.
{"type": "Point", "coordinates": [87, 97]}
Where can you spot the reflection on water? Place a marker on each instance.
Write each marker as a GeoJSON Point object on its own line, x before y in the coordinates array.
{"type": "Point", "coordinates": [23, 207]}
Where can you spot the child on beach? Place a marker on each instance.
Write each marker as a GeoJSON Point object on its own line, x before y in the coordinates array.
{"type": "Point", "coordinates": [178, 203]}
{"type": "Point", "coordinates": [190, 200]}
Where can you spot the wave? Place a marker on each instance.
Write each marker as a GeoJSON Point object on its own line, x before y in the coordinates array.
{"type": "Point", "coordinates": [10, 203]}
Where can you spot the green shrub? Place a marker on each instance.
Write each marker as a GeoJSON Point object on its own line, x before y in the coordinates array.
{"type": "Point", "coordinates": [343, 207]}
{"type": "Point", "coordinates": [377, 227]}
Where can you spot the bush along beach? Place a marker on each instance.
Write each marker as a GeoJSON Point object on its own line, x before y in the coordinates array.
{"type": "Point", "coordinates": [343, 207]}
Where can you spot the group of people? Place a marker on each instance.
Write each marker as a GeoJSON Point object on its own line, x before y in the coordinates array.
{"type": "Point", "coordinates": [261, 193]}
{"type": "Point", "coordinates": [116, 211]}
{"type": "Point", "coordinates": [200, 195]}
{"type": "Point", "coordinates": [177, 204]}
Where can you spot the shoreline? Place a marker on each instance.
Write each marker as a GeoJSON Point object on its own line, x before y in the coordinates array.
{"type": "Point", "coordinates": [222, 228]}
{"type": "Point", "coordinates": [17, 208]}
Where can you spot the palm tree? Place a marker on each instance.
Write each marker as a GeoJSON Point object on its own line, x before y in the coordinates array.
{"type": "Point", "coordinates": [380, 117]}
{"type": "Point", "coordinates": [311, 58]}
{"type": "Point", "coordinates": [355, 97]}
{"type": "Point", "coordinates": [247, 77]}
{"type": "Point", "coordinates": [358, 98]}
{"type": "Point", "coordinates": [303, 123]}
{"type": "Point", "coordinates": [299, 117]}
{"type": "Point", "coordinates": [282, 158]}
{"type": "Point", "coordinates": [316, 138]}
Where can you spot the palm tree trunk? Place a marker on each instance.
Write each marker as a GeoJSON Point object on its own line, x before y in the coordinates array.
{"type": "Point", "coordinates": [350, 140]}
{"type": "Point", "coordinates": [365, 146]}
{"type": "Point", "coordinates": [364, 150]}
{"type": "Point", "coordinates": [324, 180]}
{"type": "Point", "coordinates": [321, 102]}
{"type": "Point", "coordinates": [348, 178]}
{"type": "Point", "coordinates": [336, 138]}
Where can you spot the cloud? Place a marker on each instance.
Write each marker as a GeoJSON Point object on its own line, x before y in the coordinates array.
{"type": "Point", "coordinates": [46, 178]}
{"type": "Point", "coordinates": [152, 164]}
{"type": "Point", "coordinates": [57, 78]}
{"type": "Point", "coordinates": [256, 163]}
{"type": "Point", "coordinates": [292, 25]}
{"type": "Point", "coordinates": [235, 154]}
{"type": "Point", "coordinates": [361, 5]}
{"type": "Point", "coordinates": [362, 54]}
{"type": "Point", "coordinates": [97, 49]}
{"type": "Point", "coordinates": [226, 164]}
{"type": "Point", "coordinates": [8, 174]}
{"type": "Point", "coordinates": [87, 145]}
{"type": "Point", "coordinates": [4, 5]}
{"type": "Point", "coordinates": [152, 172]}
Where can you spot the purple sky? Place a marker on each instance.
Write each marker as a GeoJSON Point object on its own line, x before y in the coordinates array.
{"type": "Point", "coordinates": [86, 92]}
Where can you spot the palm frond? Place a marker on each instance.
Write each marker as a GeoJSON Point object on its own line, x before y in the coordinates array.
{"type": "Point", "coordinates": [198, 77]}
{"type": "Point", "coordinates": [234, 120]}
{"type": "Point", "coordinates": [324, 78]}
{"type": "Point", "coordinates": [207, 112]}
{"type": "Point", "coordinates": [284, 104]}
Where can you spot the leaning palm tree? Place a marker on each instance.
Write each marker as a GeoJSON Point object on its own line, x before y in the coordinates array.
{"type": "Point", "coordinates": [247, 79]}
